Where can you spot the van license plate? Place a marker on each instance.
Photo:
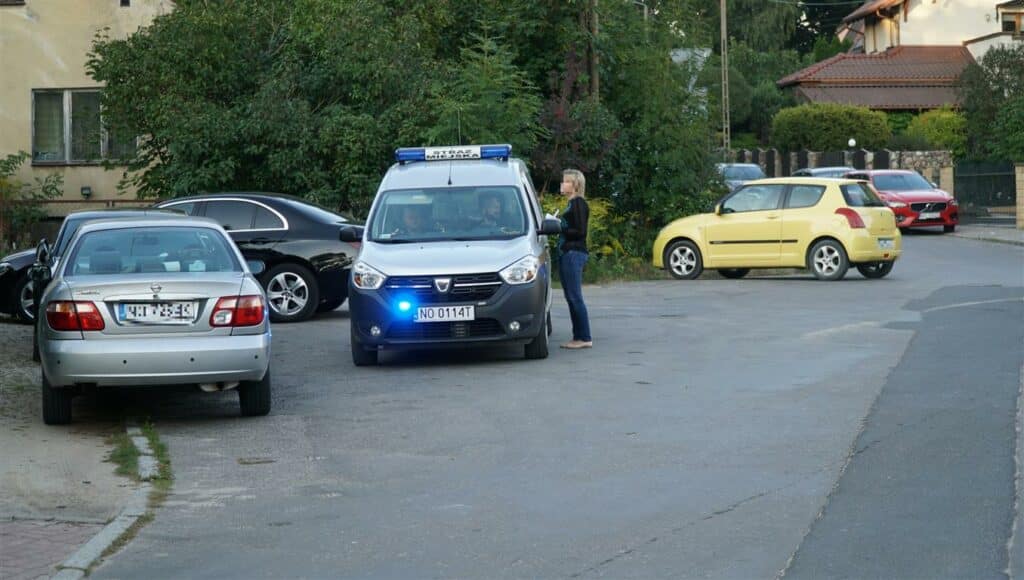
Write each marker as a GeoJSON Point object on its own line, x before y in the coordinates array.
{"type": "Point", "coordinates": [928, 215]}
{"type": "Point", "coordinates": [885, 243]}
{"type": "Point", "coordinates": [157, 312]}
{"type": "Point", "coordinates": [445, 313]}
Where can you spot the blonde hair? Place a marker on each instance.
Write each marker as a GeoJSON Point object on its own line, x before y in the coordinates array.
{"type": "Point", "coordinates": [578, 181]}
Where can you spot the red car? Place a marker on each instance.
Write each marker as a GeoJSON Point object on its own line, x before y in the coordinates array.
{"type": "Point", "coordinates": [915, 202]}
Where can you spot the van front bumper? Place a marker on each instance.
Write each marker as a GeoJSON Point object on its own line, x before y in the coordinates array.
{"type": "Point", "coordinates": [525, 304]}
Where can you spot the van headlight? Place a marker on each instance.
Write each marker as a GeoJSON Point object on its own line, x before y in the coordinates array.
{"type": "Point", "coordinates": [365, 277]}
{"type": "Point", "coordinates": [522, 272]}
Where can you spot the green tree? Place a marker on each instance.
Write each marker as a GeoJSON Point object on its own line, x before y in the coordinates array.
{"type": "Point", "coordinates": [20, 205]}
{"type": "Point", "coordinates": [764, 26]}
{"type": "Point", "coordinates": [828, 127]}
{"type": "Point", "coordinates": [986, 89]}
{"type": "Point", "coordinates": [940, 129]}
{"type": "Point", "coordinates": [486, 99]}
{"type": "Point", "coordinates": [1010, 144]}
{"type": "Point", "coordinates": [765, 101]}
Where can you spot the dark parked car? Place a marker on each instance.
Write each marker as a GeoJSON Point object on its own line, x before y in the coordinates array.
{"type": "Point", "coordinates": [16, 288]}
{"type": "Point", "coordinates": [307, 265]}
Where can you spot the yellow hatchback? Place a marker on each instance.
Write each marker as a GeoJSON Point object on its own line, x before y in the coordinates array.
{"type": "Point", "coordinates": [824, 225]}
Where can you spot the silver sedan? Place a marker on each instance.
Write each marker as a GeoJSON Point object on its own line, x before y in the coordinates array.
{"type": "Point", "coordinates": [153, 302]}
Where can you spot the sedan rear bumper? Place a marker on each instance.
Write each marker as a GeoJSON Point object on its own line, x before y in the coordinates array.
{"type": "Point", "coordinates": [155, 361]}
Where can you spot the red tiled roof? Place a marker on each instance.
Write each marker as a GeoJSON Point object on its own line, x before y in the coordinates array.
{"type": "Point", "coordinates": [869, 8]}
{"type": "Point", "coordinates": [881, 98]}
{"type": "Point", "coordinates": [899, 65]}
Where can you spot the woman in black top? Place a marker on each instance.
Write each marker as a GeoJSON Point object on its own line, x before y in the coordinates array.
{"type": "Point", "coordinates": [572, 249]}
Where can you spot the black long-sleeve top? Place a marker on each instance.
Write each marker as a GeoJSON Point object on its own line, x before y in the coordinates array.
{"type": "Point", "coordinates": [574, 226]}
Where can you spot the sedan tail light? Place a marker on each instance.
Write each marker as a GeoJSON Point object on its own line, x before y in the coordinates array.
{"type": "Point", "coordinates": [68, 315]}
{"type": "Point", "coordinates": [238, 311]}
{"type": "Point", "coordinates": [851, 216]}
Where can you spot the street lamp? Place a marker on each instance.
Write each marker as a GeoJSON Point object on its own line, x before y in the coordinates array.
{"type": "Point", "coordinates": [852, 142]}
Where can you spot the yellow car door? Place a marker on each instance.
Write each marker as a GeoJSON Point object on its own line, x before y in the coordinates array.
{"type": "Point", "coordinates": [798, 217]}
{"type": "Point", "coordinates": [746, 230]}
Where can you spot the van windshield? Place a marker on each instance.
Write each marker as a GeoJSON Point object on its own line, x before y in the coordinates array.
{"type": "Point", "coordinates": [446, 214]}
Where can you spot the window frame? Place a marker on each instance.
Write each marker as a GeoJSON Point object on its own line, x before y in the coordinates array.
{"type": "Point", "coordinates": [206, 201]}
{"type": "Point", "coordinates": [67, 112]}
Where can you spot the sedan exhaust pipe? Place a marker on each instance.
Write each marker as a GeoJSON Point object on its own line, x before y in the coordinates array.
{"type": "Point", "coordinates": [214, 387]}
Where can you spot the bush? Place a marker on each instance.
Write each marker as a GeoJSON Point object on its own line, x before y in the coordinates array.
{"type": "Point", "coordinates": [19, 201]}
{"type": "Point", "coordinates": [898, 121]}
{"type": "Point", "coordinates": [1010, 142]}
{"type": "Point", "coordinates": [828, 127]}
{"type": "Point", "coordinates": [941, 129]}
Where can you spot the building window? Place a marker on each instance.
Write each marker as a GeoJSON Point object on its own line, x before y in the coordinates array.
{"type": "Point", "coordinates": [1009, 23]}
{"type": "Point", "coordinates": [126, 3]}
{"type": "Point", "coordinates": [67, 128]}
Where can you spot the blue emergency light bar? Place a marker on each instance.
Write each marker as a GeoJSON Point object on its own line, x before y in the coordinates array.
{"type": "Point", "coordinates": [453, 153]}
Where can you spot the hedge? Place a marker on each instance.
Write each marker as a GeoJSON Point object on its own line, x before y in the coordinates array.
{"type": "Point", "coordinates": [828, 127]}
{"type": "Point", "coordinates": [941, 129]}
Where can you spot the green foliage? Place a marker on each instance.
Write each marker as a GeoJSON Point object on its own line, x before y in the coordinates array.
{"type": "Point", "coordinates": [1010, 145]}
{"type": "Point", "coordinates": [759, 66]}
{"type": "Point", "coordinates": [987, 90]}
{"type": "Point", "coordinates": [908, 142]}
{"type": "Point", "coordinates": [828, 127]}
{"type": "Point", "coordinates": [941, 129]}
{"type": "Point", "coordinates": [486, 99]}
{"type": "Point", "coordinates": [765, 101]}
{"type": "Point", "coordinates": [898, 120]}
{"type": "Point", "coordinates": [20, 205]}
{"type": "Point", "coordinates": [765, 26]}
{"type": "Point", "coordinates": [820, 19]}
{"type": "Point", "coordinates": [828, 46]}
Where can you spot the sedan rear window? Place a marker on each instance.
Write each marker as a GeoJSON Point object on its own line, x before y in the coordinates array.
{"type": "Point", "coordinates": [151, 250]}
{"type": "Point", "coordinates": [857, 195]}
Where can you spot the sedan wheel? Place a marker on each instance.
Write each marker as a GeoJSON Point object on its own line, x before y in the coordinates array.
{"type": "Point", "coordinates": [25, 304]}
{"type": "Point", "coordinates": [828, 260]}
{"type": "Point", "coordinates": [875, 269]}
{"type": "Point", "coordinates": [291, 293]}
{"type": "Point", "coordinates": [683, 260]}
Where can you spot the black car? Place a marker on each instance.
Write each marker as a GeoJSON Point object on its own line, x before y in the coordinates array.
{"type": "Point", "coordinates": [307, 265]}
{"type": "Point", "coordinates": [16, 288]}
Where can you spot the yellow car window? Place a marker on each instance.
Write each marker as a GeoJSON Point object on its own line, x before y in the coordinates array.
{"type": "Point", "coordinates": [754, 198]}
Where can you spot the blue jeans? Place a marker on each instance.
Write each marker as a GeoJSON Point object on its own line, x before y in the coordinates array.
{"type": "Point", "coordinates": [570, 270]}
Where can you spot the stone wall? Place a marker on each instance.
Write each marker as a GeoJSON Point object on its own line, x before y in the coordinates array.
{"type": "Point", "coordinates": [933, 165]}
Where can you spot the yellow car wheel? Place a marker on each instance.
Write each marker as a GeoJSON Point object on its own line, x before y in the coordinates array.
{"type": "Point", "coordinates": [683, 260]}
{"type": "Point", "coordinates": [827, 259]}
{"type": "Point", "coordinates": [734, 273]}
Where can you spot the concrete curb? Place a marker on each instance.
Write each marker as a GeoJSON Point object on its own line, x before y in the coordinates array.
{"type": "Point", "coordinates": [78, 564]}
{"type": "Point", "coordinates": [988, 239]}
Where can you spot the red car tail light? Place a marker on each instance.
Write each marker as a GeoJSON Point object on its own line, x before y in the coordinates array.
{"type": "Point", "coordinates": [68, 315]}
{"type": "Point", "coordinates": [851, 216]}
{"type": "Point", "coordinates": [238, 311]}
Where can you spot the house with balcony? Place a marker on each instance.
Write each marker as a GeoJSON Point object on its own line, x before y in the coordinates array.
{"type": "Point", "coordinates": [50, 107]}
{"type": "Point", "coordinates": [907, 55]}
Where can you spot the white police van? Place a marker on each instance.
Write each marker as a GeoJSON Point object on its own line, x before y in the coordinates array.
{"type": "Point", "coordinates": [454, 253]}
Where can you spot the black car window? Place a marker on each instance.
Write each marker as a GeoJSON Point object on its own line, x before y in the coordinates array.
{"type": "Point", "coordinates": [266, 220]}
{"type": "Point", "coordinates": [804, 196]}
{"type": "Point", "coordinates": [754, 198]}
{"type": "Point", "coordinates": [189, 208]}
{"type": "Point", "coordinates": [233, 215]}
{"type": "Point", "coordinates": [857, 195]}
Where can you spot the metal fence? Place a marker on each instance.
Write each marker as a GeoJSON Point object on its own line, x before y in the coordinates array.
{"type": "Point", "coordinates": [984, 184]}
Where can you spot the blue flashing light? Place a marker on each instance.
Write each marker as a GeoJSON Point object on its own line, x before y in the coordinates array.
{"type": "Point", "coordinates": [404, 306]}
{"type": "Point", "coordinates": [453, 153]}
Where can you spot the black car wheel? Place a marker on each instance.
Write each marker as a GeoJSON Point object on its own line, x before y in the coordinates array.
{"type": "Point", "coordinates": [875, 269]}
{"type": "Point", "coordinates": [329, 305]}
{"type": "Point", "coordinates": [948, 229]}
{"type": "Point", "coordinates": [538, 347]}
{"type": "Point", "coordinates": [254, 397]}
{"type": "Point", "coordinates": [292, 293]}
{"type": "Point", "coordinates": [24, 304]}
{"type": "Point", "coordinates": [56, 404]}
{"type": "Point", "coordinates": [733, 273]}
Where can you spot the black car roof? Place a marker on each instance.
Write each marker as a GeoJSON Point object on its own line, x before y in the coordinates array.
{"type": "Point", "coordinates": [120, 212]}
{"type": "Point", "coordinates": [285, 199]}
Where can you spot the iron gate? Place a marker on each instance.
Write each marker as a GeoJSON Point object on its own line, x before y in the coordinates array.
{"type": "Point", "coordinates": [984, 184]}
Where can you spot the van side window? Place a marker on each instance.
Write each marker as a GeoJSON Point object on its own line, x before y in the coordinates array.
{"type": "Point", "coordinates": [538, 215]}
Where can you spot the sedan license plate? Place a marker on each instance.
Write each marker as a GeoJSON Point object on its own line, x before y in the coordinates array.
{"type": "Point", "coordinates": [157, 312]}
{"type": "Point", "coordinates": [445, 313]}
{"type": "Point", "coordinates": [885, 243]}
{"type": "Point", "coordinates": [928, 215]}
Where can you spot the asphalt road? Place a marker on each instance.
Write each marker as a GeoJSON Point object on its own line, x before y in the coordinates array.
{"type": "Point", "coordinates": [719, 428]}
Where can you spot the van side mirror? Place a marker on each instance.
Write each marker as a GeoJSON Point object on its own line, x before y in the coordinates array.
{"type": "Point", "coordinates": [550, 227]}
{"type": "Point", "coordinates": [350, 235]}
{"type": "Point", "coordinates": [257, 267]}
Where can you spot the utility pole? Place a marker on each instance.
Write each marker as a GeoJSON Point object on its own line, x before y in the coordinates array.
{"type": "Point", "coordinates": [725, 84]}
{"type": "Point", "coordinates": [595, 84]}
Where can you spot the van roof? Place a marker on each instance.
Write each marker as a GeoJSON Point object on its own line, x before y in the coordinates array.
{"type": "Point", "coordinates": [431, 174]}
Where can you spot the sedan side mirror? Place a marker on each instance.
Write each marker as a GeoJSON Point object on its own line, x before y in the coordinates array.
{"type": "Point", "coordinates": [257, 267]}
{"type": "Point", "coordinates": [935, 185]}
{"type": "Point", "coordinates": [550, 227]}
{"type": "Point", "coordinates": [350, 235]}
{"type": "Point", "coordinates": [718, 209]}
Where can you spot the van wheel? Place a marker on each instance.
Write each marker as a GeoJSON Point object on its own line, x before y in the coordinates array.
{"type": "Point", "coordinates": [538, 347]}
{"type": "Point", "coordinates": [683, 260]}
{"type": "Point", "coordinates": [733, 273]}
{"type": "Point", "coordinates": [56, 403]}
{"type": "Point", "coordinates": [254, 396]}
{"type": "Point", "coordinates": [361, 357]}
{"type": "Point", "coordinates": [292, 293]}
{"type": "Point", "coordinates": [827, 259]}
{"type": "Point", "coordinates": [551, 327]}
{"type": "Point", "coordinates": [875, 269]}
